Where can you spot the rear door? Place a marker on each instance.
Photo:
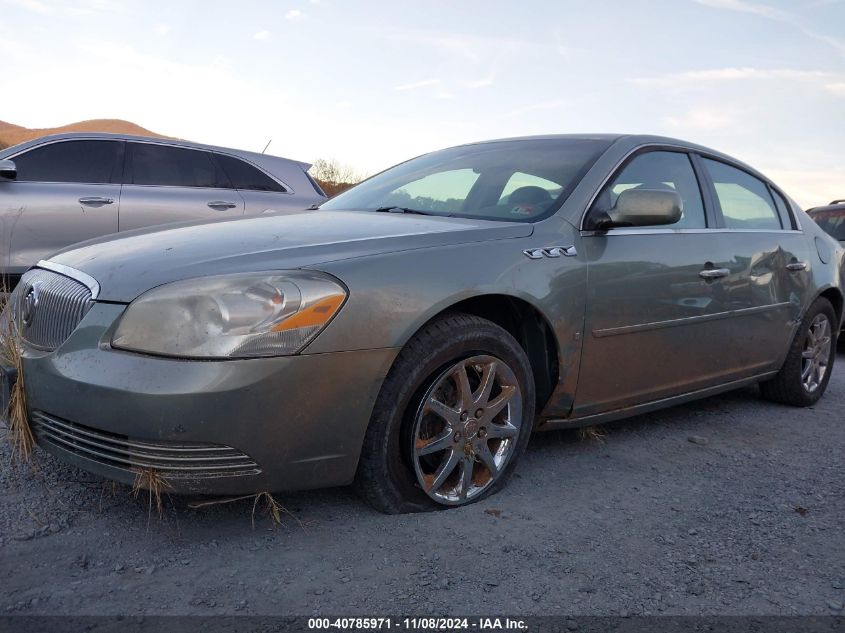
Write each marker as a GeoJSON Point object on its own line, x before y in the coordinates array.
{"type": "Point", "coordinates": [259, 190]}
{"type": "Point", "coordinates": [757, 229]}
{"type": "Point", "coordinates": [165, 183]}
{"type": "Point", "coordinates": [65, 192]}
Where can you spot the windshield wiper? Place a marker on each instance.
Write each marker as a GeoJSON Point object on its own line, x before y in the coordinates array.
{"type": "Point", "coordinates": [392, 209]}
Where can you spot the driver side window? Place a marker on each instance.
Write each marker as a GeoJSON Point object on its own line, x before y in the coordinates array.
{"type": "Point", "coordinates": [659, 170]}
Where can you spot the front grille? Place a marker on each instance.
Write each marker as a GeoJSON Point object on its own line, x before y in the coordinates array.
{"type": "Point", "coordinates": [173, 460]}
{"type": "Point", "coordinates": [48, 307]}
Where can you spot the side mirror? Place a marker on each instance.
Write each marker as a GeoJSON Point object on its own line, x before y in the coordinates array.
{"type": "Point", "coordinates": [643, 207]}
{"type": "Point", "coordinates": [8, 171]}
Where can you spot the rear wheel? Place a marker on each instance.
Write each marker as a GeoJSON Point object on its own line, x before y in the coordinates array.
{"type": "Point", "coordinates": [804, 376]}
{"type": "Point", "coordinates": [453, 416]}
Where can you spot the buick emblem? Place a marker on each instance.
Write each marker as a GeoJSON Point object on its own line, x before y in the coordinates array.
{"type": "Point", "coordinates": [30, 303]}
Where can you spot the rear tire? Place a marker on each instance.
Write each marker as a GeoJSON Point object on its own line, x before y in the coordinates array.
{"type": "Point", "coordinates": [459, 398]}
{"type": "Point", "coordinates": [806, 372]}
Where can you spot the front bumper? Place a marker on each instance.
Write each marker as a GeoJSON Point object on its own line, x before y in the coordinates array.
{"type": "Point", "coordinates": [208, 427]}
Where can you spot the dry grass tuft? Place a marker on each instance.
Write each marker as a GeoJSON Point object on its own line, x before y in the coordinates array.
{"type": "Point", "coordinates": [270, 506]}
{"type": "Point", "coordinates": [19, 434]}
{"type": "Point", "coordinates": [592, 434]}
{"type": "Point", "coordinates": [155, 484]}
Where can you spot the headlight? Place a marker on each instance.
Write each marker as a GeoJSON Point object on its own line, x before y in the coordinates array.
{"type": "Point", "coordinates": [231, 316]}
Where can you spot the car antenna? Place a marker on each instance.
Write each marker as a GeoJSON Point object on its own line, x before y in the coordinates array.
{"type": "Point", "coordinates": [266, 146]}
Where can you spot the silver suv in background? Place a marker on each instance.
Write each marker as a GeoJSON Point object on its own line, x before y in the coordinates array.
{"type": "Point", "coordinates": [62, 189]}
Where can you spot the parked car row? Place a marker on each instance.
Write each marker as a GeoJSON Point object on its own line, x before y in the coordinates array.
{"type": "Point", "coordinates": [410, 334]}
{"type": "Point", "coordinates": [63, 189]}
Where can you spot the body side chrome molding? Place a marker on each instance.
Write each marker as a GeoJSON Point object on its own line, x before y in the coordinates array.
{"type": "Point", "coordinates": [659, 325]}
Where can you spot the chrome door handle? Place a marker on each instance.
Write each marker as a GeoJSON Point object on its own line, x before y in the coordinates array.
{"type": "Point", "coordinates": [796, 266]}
{"type": "Point", "coordinates": [714, 273]}
{"type": "Point", "coordinates": [96, 200]}
{"type": "Point", "coordinates": [221, 205]}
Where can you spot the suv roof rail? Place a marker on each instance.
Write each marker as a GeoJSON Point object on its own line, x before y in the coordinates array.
{"type": "Point", "coordinates": [838, 201]}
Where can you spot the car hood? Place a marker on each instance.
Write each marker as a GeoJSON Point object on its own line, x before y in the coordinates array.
{"type": "Point", "coordinates": [127, 264]}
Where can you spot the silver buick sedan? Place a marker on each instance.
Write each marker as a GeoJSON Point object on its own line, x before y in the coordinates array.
{"type": "Point", "coordinates": [410, 334]}
{"type": "Point", "coordinates": [66, 188]}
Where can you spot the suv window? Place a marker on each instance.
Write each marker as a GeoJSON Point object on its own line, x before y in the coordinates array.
{"type": "Point", "coordinates": [745, 200]}
{"type": "Point", "coordinates": [94, 162]}
{"type": "Point", "coordinates": [244, 176]}
{"type": "Point", "coordinates": [659, 170]}
{"type": "Point", "coordinates": [442, 191]}
{"type": "Point", "coordinates": [173, 166]}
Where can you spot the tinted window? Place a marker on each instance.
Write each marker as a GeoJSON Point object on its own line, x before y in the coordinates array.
{"type": "Point", "coordinates": [471, 180]}
{"type": "Point", "coordinates": [783, 209]}
{"type": "Point", "coordinates": [659, 171]}
{"type": "Point", "coordinates": [744, 199]}
{"type": "Point", "coordinates": [832, 222]}
{"type": "Point", "coordinates": [72, 161]}
{"type": "Point", "coordinates": [173, 166]}
{"type": "Point", "coordinates": [244, 176]}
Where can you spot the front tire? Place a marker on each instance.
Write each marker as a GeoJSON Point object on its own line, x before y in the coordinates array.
{"type": "Point", "coordinates": [804, 376]}
{"type": "Point", "coordinates": [451, 420]}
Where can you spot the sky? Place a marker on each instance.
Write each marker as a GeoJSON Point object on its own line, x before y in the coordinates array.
{"type": "Point", "coordinates": [372, 83]}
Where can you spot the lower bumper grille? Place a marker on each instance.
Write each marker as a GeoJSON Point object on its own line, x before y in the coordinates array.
{"type": "Point", "coordinates": [173, 460]}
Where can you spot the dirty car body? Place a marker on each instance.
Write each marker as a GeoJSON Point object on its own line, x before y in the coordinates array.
{"type": "Point", "coordinates": [543, 282]}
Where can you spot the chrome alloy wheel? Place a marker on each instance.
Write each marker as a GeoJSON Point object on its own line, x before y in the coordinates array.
{"type": "Point", "coordinates": [816, 354]}
{"type": "Point", "coordinates": [466, 429]}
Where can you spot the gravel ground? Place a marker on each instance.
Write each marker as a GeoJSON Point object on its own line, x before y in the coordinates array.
{"type": "Point", "coordinates": [730, 505]}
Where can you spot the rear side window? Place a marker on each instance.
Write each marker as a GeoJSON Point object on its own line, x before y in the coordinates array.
{"type": "Point", "coordinates": [745, 200]}
{"type": "Point", "coordinates": [659, 170]}
{"type": "Point", "coordinates": [95, 162]}
{"type": "Point", "coordinates": [173, 166]}
{"type": "Point", "coordinates": [244, 176]}
{"type": "Point", "coordinates": [783, 209]}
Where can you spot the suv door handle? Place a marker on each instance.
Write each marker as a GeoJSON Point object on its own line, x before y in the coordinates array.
{"type": "Point", "coordinates": [714, 273]}
{"type": "Point", "coordinates": [221, 205]}
{"type": "Point", "coordinates": [95, 201]}
{"type": "Point", "coordinates": [796, 266]}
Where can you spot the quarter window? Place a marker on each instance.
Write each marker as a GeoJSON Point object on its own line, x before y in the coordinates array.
{"type": "Point", "coordinates": [95, 162]}
{"type": "Point", "coordinates": [745, 200]}
{"type": "Point", "coordinates": [245, 176]}
{"type": "Point", "coordinates": [659, 170]}
{"type": "Point", "coordinates": [783, 209]}
{"type": "Point", "coordinates": [173, 166]}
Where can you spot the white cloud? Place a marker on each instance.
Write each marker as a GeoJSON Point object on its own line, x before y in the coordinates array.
{"type": "Point", "coordinates": [417, 84]}
{"type": "Point", "coordinates": [294, 14]}
{"type": "Point", "coordinates": [837, 88]}
{"type": "Point", "coordinates": [32, 5]}
{"type": "Point", "coordinates": [730, 74]}
{"type": "Point", "coordinates": [778, 15]}
{"type": "Point", "coordinates": [483, 82]}
{"type": "Point", "coordinates": [809, 188]}
{"type": "Point", "coordinates": [763, 10]}
{"type": "Point", "coordinates": [163, 29]}
{"type": "Point", "coordinates": [703, 119]}
{"type": "Point", "coordinates": [261, 36]}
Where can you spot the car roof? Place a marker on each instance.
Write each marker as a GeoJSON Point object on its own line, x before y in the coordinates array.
{"type": "Point", "coordinates": [632, 141]}
{"type": "Point", "coordinates": [835, 207]}
{"type": "Point", "coordinates": [264, 160]}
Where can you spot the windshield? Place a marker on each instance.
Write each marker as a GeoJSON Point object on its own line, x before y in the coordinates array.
{"type": "Point", "coordinates": [518, 181]}
{"type": "Point", "coordinates": [832, 222]}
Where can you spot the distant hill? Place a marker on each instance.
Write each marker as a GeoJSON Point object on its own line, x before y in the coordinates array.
{"type": "Point", "coordinates": [11, 134]}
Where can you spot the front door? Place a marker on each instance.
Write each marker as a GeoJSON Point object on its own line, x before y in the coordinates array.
{"type": "Point", "coordinates": [659, 297]}
{"type": "Point", "coordinates": [65, 192]}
